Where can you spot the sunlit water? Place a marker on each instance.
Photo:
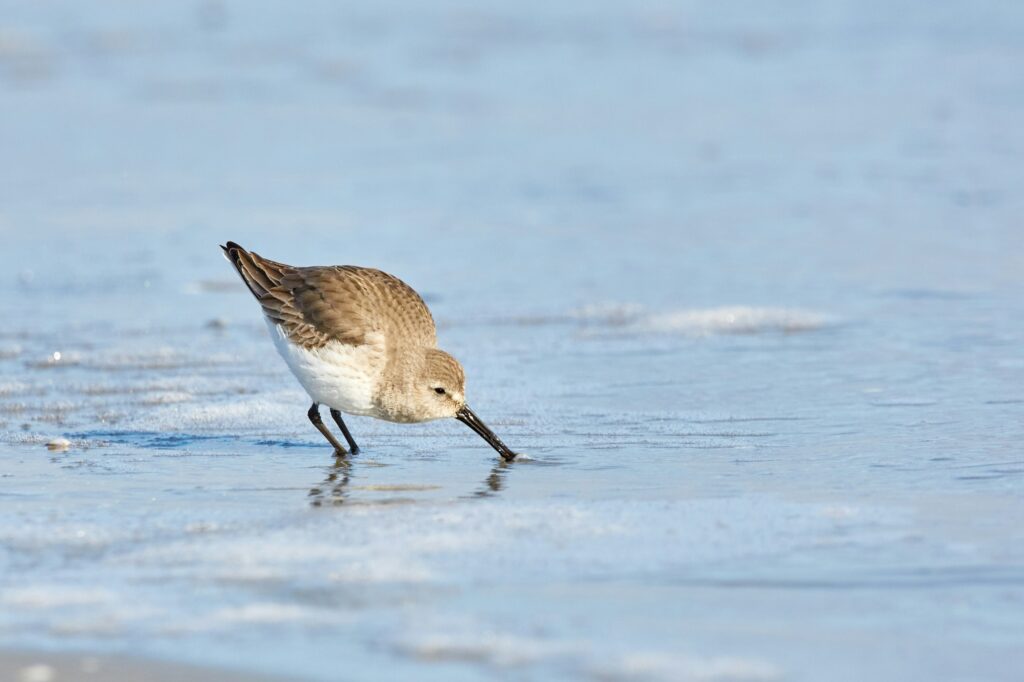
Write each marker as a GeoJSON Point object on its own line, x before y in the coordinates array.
{"type": "Point", "coordinates": [745, 284]}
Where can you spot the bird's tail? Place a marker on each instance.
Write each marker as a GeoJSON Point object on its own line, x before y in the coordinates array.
{"type": "Point", "coordinates": [259, 274]}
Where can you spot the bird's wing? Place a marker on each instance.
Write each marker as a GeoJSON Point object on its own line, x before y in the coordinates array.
{"type": "Point", "coordinates": [348, 303]}
{"type": "Point", "coordinates": [344, 303]}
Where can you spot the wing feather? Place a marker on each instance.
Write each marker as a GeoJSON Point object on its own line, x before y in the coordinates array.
{"type": "Point", "coordinates": [348, 304]}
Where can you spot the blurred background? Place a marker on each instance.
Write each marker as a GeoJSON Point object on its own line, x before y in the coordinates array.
{"type": "Point", "coordinates": [744, 280]}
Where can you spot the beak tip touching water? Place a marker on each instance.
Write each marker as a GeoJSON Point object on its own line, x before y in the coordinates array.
{"type": "Point", "coordinates": [469, 418]}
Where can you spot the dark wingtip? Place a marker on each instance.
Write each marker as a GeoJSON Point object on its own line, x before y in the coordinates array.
{"type": "Point", "coordinates": [231, 251]}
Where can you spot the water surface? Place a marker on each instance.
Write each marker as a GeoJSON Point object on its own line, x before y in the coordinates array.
{"type": "Point", "coordinates": [744, 283]}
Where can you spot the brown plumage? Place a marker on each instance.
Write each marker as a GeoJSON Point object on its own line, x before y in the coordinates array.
{"type": "Point", "coordinates": [343, 303]}
{"type": "Point", "coordinates": [360, 341]}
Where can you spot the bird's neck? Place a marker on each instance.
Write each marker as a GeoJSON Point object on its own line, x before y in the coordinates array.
{"type": "Point", "coordinates": [396, 398]}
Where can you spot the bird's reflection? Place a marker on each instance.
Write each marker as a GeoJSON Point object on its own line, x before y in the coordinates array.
{"type": "Point", "coordinates": [333, 491]}
{"type": "Point", "coordinates": [495, 480]}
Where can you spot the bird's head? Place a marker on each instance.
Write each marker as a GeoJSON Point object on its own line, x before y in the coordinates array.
{"type": "Point", "coordinates": [442, 385]}
{"type": "Point", "coordinates": [441, 392]}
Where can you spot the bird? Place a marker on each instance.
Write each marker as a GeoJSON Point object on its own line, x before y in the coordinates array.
{"type": "Point", "coordinates": [360, 341]}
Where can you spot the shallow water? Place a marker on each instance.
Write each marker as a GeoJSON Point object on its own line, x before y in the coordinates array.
{"type": "Point", "coordinates": [745, 285]}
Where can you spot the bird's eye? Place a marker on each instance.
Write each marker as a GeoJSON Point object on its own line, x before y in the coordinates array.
{"type": "Point", "coordinates": [439, 391]}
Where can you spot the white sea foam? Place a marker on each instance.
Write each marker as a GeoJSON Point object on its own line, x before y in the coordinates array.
{"type": "Point", "coordinates": [11, 388]}
{"type": "Point", "coordinates": [612, 314]}
{"type": "Point", "coordinates": [397, 569]}
{"type": "Point", "coordinates": [733, 320]}
{"type": "Point", "coordinates": [671, 667]}
{"type": "Point", "coordinates": [165, 358]}
{"type": "Point", "coordinates": [632, 319]}
{"type": "Point", "coordinates": [499, 649]}
{"type": "Point", "coordinates": [53, 596]}
{"type": "Point", "coordinates": [482, 644]}
{"type": "Point", "coordinates": [56, 359]}
{"type": "Point", "coordinates": [282, 411]}
{"type": "Point", "coordinates": [265, 613]}
{"type": "Point", "coordinates": [37, 672]}
{"type": "Point", "coordinates": [167, 398]}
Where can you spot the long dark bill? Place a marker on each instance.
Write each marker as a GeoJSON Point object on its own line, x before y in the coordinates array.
{"type": "Point", "coordinates": [467, 417]}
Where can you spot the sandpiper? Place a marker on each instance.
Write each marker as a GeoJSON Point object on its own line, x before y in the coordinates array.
{"type": "Point", "coordinates": [360, 341]}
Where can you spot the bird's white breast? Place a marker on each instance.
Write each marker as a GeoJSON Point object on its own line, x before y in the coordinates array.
{"type": "Point", "coordinates": [338, 375]}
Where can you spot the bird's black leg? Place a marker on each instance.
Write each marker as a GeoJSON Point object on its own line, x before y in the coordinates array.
{"type": "Point", "coordinates": [314, 416]}
{"type": "Point", "coordinates": [344, 430]}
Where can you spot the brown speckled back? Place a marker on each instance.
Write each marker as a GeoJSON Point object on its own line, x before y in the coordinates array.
{"type": "Point", "coordinates": [345, 303]}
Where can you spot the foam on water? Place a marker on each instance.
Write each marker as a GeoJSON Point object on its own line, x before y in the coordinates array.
{"type": "Point", "coordinates": [462, 643]}
{"type": "Point", "coordinates": [261, 413]}
{"type": "Point", "coordinates": [54, 596]}
{"type": "Point", "coordinates": [11, 388]}
{"type": "Point", "coordinates": [659, 666]}
{"type": "Point", "coordinates": [633, 319]}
